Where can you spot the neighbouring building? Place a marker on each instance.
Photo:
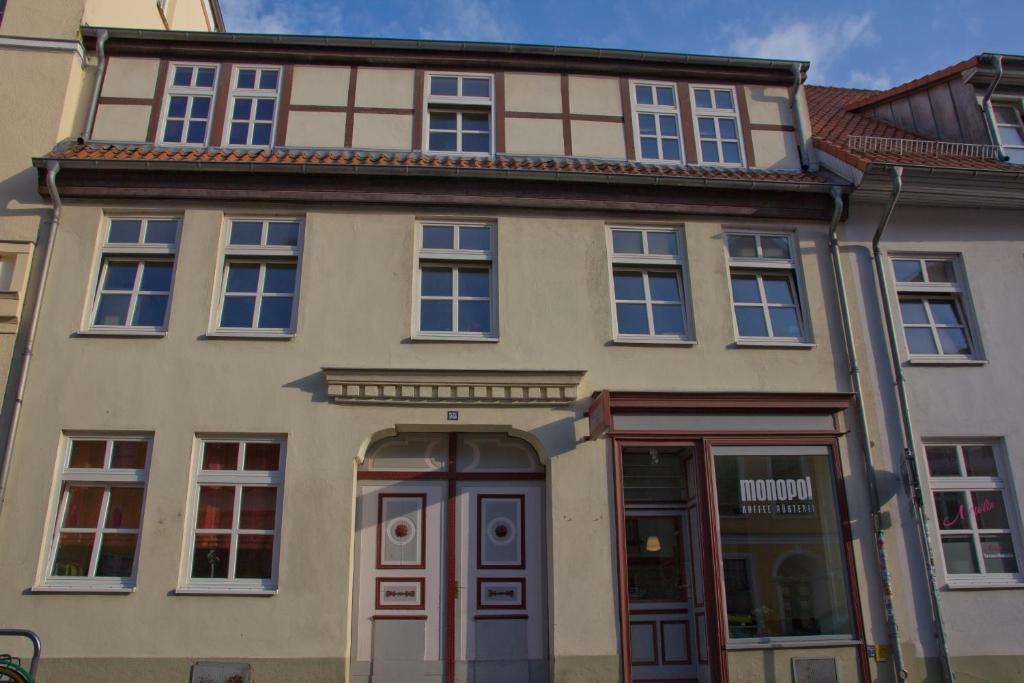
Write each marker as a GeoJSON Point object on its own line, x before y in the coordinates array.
{"type": "Point", "coordinates": [934, 252]}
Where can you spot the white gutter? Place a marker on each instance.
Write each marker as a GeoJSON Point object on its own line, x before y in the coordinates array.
{"type": "Point", "coordinates": [802, 120]}
{"type": "Point", "coordinates": [52, 168]}
{"type": "Point", "coordinates": [986, 105]}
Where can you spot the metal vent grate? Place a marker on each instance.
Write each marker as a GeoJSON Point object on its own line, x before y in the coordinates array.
{"type": "Point", "coordinates": [900, 146]}
{"type": "Point", "coordinates": [815, 670]}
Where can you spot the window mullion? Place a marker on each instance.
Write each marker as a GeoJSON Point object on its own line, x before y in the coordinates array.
{"type": "Point", "coordinates": [260, 283]}
{"type": "Point", "coordinates": [647, 301]}
{"type": "Point", "coordinates": [235, 522]}
{"type": "Point", "coordinates": [764, 305]}
{"type": "Point", "coordinates": [98, 535]}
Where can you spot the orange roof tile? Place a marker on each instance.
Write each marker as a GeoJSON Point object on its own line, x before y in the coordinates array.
{"type": "Point", "coordinates": [370, 158]}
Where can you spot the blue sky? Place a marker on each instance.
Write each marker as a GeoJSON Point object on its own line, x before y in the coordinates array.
{"type": "Point", "coordinates": [860, 44]}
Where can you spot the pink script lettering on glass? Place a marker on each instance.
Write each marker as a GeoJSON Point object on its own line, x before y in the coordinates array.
{"type": "Point", "coordinates": [987, 506]}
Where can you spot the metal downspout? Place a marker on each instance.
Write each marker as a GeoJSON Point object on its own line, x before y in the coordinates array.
{"type": "Point", "coordinates": [52, 167]}
{"type": "Point", "coordinates": [986, 104]}
{"type": "Point", "coordinates": [909, 437]}
{"type": "Point", "coordinates": [807, 157]}
{"type": "Point", "coordinates": [862, 423]}
{"type": "Point", "coordinates": [101, 68]}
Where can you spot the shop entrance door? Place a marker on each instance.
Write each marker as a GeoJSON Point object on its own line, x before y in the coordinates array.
{"type": "Point", "coordinates": [450, 584]}
{"type": "Point", "coordinates": [663, 566]}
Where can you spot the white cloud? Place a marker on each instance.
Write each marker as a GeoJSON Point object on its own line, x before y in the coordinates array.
{"type": "Point", "coordinates": [277, 16]}
{"type": "Point", "coordinates": [821, 42]}
{"type": "Point", "coordinates": [466, 20]}
{"type": "Point", "coordinates": [860, 79]}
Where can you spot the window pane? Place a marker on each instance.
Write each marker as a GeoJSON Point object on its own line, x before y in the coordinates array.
{"type": "Point", "coordinates": [245, 233]}
{"type": "Point", "coordinates": [117, 555]}
{"type": "Point", "coordinates": [173, 131]}
{"type": "Point", "coordinates": [242, 109]}
{"type": "Point", "coordinates": [204, 79]}
{"type": "Point", "coordinates": [196, 132]}
{"type": "Point", "coordinates": [177, 107]}
{"type": "Point", "coordinates": [706, 126]}
{"type": "Point", "coordinates": [668, 319]}
{"type": "Point", "coordinates": [647, 125]}
{"type": "Point", "coordinates": [662, 243]}
{"type": "Point", "coordinates": [1004, 115]}
{"type": "Point", "coordinates": [83, 507]}
{"type": "Point", "coordinates": [284, 234]}
{"type": "Point", "coordinates": [475, 238]}
{"type": "Point", "coordinates": [785, 322]}
{"type": "Point", "coordinates": [632, 318]}
{"type": "Point", "coordinates": [668, 125]}
{"type": "Point", "coordinates": [264, 110]}
{"type": "Point", "coordinates": [649, 148]}
{"type": "Point", "coordinates": [750, 321]}
{"type": "Point", "coordinates": [940, 271]}
{"type": "Point", "coordinates": [74, 553]}
{"type": "Point", "coordinates": [120, 275]}
{"type": "Point", "coordinates": [663, 286]}
{"type": "Point", "coordinates": [665, 96]}
{"type": "Point", "coordinates": [210, 556]}
{"type": "Point", "coordinates": [444, 85]}
{"type": "Point", "coordinates": [216, 507]}
{"type": "Point", "coordinates": [246, 78]}
{"type": "Point", "coordinates": [727, 129]}
{"type": "Point", "coordinates": [124, 510]}
{"type": "Point", "coordinates": [436, 282]}
{"type": "Point", "coordinates": [183, 76]}
{"type": "Point", "coordinates": [723, 99]}
{"type": "Point", "coordinates": [709, 151]}
{"type": "Point", "coordinates": [87, 454]}
{"type": "Point", "coordinates": [1011, 136]}
{"type": "Point", "coordinates": [913, 313]}
{"type": "Point", "coordinates": [161, 232]}
{"type": "Point", "coordinates": [774, 247]}
{"type": "Point", "coordinates": [476, 87]}
{"type": "Point", "coordinates": [778, 291]}
{"type": "Point", "coordinates": [730, 152]}
{"type": "Point", "coordinates": [944, 312]}
{"type": "Point", "coordinates": [907, 271]}
{"type": "Point", "coordinates": [276, 313]}
{"type": "Point", "coordinates": [644, 94]}
{"type": "Point", "coordinates": [670, 149]}
{"type": "Point", "coordinates": [262, 457]}
{"type": "Point", "coordinates": [261, 134]}
{"type": "Point", "coordinates": [998, 553]}
{"type": "Point", "coordinates": [920, 340]}
{"type": "Point", "coordinates": [129, 455]}
{"type": "Point", "coordinates": [220, 455]}
{"type": "Point", "coordinates": [443, 120]}
{"type": "Point", "coordinates": [113, 309]}
{"type": "Point", "coordinates": [474, 316]}
{"type": "Point", "coordinates": [476, 142]}
{"type": "Point", "coordinates": [629, 286]}
{"type": "Point", "coordinates": [436, 316]}
{"type": "Point", "coordinates": [243, 277]}
{"type": "Point", "coordinates": [200, 107]}
{"type": "Point", "coordinates": [438, 237]}
{"type": "Point", "coordinates": [942, 461]}
{"type": "Point", "coordinates": [744, 290]}
{"type": "Point", "coordinates": [654, 474]}
{"type": "Point", "coordinates": [628, 242]}
{"type": "Point", "coordinates": [742, 246]}
{"type": "Point", "coordinates": [238, 311]}
{"type": "Point", "coordinates": [259, 507]}
{"type": "Point", "coordinates": [989, 510]}
{"type": "Point", "coordinates": [475, 283]}
{"type": "Point", "coordinates": [239, 134]}
{"type": "Point", "coordinates": [156, 276]}
{"type": "Point", "coordinates": [655, 559]}
{"type": "Point", "coordinates": [980, 461]}
{"type": "Point", "coordinates": [959, 554]}
{"type": "Point", "coordinates": [702, 98]}
{"type": "Point", "coordinates": [443, 142]}
{"type": "Point", "coordinates": [268, 80]}
{"type": "Point", "coordinates": [954, 341]}
{"type": "Point", "coordinates": [951, 510]}
{"type": "Point", "coordinates": [255, 557]}
{"type": "Point", "coordinates": [279, 278]}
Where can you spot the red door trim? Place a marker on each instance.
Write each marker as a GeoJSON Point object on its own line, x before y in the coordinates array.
{"type": "Point", "coordinates": [451, 564]}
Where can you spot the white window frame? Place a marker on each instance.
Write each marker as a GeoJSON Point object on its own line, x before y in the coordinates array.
{"type": "Point", "coordinates": [459, 104]}
{"type": "Point", "coordinates": [454, 258]}
{"type": "Point", "coordinates": [256, 93]}
{"type": "Point", "coordinates": [1017, 106]}
{"type": "Point", "coordinates": [956, 292]}
{"type": "Point", "coordinates": [761, 266]}
{"type": "Point", "coordinates": [190, 92]}
{"type": "Point", "coordinates": [108, 478]}
{"type": "Point", "coordinates": [262, 254]}
{"type": "Point", "coordinates": [647, 263]}
{"type": "Point", "coordinates": [656, 110]}
{"type": "Point", "coordinates": [237, 479]}
{"type": "Point", "coordinates": [966, 484]}
{"type": "Point", "coordinates": [138, 252]}
{"type": "Point", "coordinates": [716, 113]}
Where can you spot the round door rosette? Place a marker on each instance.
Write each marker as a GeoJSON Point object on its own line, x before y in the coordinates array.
{"type": "Point", "coordinates": [501, 531]}
{"type": "Point", "coordinates": [401, 530]}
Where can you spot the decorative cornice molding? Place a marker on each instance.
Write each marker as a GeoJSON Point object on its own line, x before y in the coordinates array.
{"type": "Point", "coordinates": [452, 387]}
{"type": "Point", "coordinates": [44, 44]}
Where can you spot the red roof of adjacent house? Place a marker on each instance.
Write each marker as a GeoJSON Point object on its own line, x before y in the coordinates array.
{"type": "Point", "coordinates": [876, 96]}
{"type": "Point", "coordinates": [833, 122]}
{"type": "Point", "coordinates": [416, 160]}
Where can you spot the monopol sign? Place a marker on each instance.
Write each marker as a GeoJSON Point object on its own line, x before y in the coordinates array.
{"type": "Point", "coordinates": [777, 496]}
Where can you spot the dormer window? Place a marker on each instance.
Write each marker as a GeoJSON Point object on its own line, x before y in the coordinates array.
{"type": "Point", "coordinates": [717, 125]}
{"type": "Point", "coordinates": [656, 121]}
{"type": "Point", "coordinates": [1010, 125]}
{"type": "Point", "coordinates": [253, 106]}
{"type": "Point", "coordinates": [459, 113]}
{"type": "Point", "coordinates": [189, 104]}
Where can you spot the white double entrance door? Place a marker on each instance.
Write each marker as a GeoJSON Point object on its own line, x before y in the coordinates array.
{"type": "Point", "coordinates": [451, 584]}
